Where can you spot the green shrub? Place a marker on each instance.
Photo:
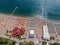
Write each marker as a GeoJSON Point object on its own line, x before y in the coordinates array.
{"type": "Point", "coordinates": [31, 43]}
{"type": "Point", "coordinates": [50, 44]}
{"type": "Point", "coordinates": [4, 41]}
{"type": "Point", "coordinates": [26, 43]}
{"type": "Point", "coordinates": [56, 43]}
{"type": "Point", "coordinates": [53, 38]}
{"type": "Point", "coordinates": [44, 43]}
{"type": "Point", "coordinates": [19, 36]}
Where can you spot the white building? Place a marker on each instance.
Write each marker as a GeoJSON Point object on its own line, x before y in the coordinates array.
{"type": "Point", "coordinates": [46, 35]}
{"type": "Point", "coordinates": [31, 35]}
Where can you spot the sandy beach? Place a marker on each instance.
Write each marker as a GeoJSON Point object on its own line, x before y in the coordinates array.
{"type": "Point", "coordinates": [8, 22]}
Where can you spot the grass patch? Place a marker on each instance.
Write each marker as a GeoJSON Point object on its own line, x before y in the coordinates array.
{"type": "Point", "coordinates": [26, 43]}
{"type": "Point", "coordinates": [44, 43]}
{"type": "Point", "coordinates": [54, 43]}
{"type": "Point", "coordinates": [4, 41]}
{"type": "Point", "coordinates": [50, 44]}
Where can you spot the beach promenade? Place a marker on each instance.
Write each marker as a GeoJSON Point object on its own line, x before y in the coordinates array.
{"type": "Point", "coordinates": [8, 22]}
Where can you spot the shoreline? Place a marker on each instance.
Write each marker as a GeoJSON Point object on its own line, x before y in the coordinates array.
{"type": "Point", "coordinates": [57, 21]}
{"type": "Point", "coordinates": [11, 15]}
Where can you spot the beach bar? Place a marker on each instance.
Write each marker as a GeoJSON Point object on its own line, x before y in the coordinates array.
{"type": "Point", "coordinates": [46, 35]}
{"type": "Point", "coordinates": [31, 35]}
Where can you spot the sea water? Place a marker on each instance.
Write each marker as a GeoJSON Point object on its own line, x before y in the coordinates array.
{"type": "Point", "coordinates": [32, 8]}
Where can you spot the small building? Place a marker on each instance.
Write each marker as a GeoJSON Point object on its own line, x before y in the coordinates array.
{"type": "Point", "coordinates": [31, 34]}
{"type": "Point", "coordinates": [46, 35]}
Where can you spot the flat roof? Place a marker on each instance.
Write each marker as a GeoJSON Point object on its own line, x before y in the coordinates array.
{"type": "Point", "coordinates": [45, 30]}
{"type": "Point", "coordinates": [31, 31]}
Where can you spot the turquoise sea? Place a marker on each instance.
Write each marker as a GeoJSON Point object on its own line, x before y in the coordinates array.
{"type": "Point", "coordinates": [32, 8]}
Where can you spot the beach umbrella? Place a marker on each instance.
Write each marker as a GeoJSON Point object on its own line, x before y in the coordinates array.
{"type": "Point", "coordinates": [18, 31]}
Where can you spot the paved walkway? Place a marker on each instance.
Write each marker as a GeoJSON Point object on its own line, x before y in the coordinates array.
{"type": "Point", "coordinates": [47, 43]}
{"type": "Point", "coordinates": [17, 43]}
